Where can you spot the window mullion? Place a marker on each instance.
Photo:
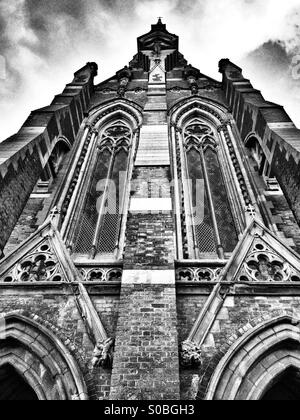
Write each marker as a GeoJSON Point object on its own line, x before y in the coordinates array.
{"type": "Point", "coordinates": [211, 205]}
{"type": "Point", "coordinates": [103, 203]}
{"type": "Point", "coordinates": [189, 214]}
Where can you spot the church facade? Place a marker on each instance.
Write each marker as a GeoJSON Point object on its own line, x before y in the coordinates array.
{"type": "Point", "coordinates": [150, 238]}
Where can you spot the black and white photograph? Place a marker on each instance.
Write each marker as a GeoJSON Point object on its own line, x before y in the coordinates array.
{"type": "Point", "coordinates": [149, 203]}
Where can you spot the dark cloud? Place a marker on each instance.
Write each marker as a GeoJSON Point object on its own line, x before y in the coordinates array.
{"type": "Point", "coordinates": [4, 40]}
{"type": "Point", "coordinates": [43, 10]}
{"type": "Point", "coordinates": [270, 67]}
{"type": "Point", "coordinates": [271, 57]}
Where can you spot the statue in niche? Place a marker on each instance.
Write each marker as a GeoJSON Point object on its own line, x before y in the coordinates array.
{"type": "Point", "coordinates": [157, 49]}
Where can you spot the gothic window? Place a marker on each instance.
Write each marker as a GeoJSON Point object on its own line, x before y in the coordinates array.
{"type": "Point", "coordinates": [213, 224]}
{"type": "Point", "coordinates": [101, 217]}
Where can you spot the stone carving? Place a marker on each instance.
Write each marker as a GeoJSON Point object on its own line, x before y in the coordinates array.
{"type": "Point", "coordinates": [264, 265]}
{"type": "Point", "coordinates": [124, 77]}
{"type": "Point", "coordinates": [175, 89]}
{"type": "Point", "coordinates": [123, 87]}
{"type": "Point", "coordinates": [192, 75]}
{"type": "Point", "coordinates": [39, 266]}
{"type": "Point", "coordinates": [237, 167]}
{"type": "Point", "coordinates": [117, 136]}
{"type": "Point", "coordinates": [103, 354]}
{"type": "Point", "coordinates": [197, 135]}
{"type": "Point", "coordinates": [106, 91]}
{"type": "Point", "coordinates": [190, 355]}
{"type": "Point", "coordinates": [101, 274]}
{"type": "Point", "coordinates": [198, 274]}
{"type": "Point", "coordinates": [139, 90]}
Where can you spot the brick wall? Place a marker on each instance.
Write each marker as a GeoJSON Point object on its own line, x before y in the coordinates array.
{"type": "Point", "coordinates": [288, 174]}
{"type": "Point", "coordinates": [146, 359]}
{"type": "Point", "coordinates": [285, 220]}
{"type": "Point", "coordinates": [15, 190]}
{"type": "Point", "coordinates": [150, 241]}
{"type": "Point", "coordinates": [35, 212]}
{"type": "Point", "coordinates": [27, 224]}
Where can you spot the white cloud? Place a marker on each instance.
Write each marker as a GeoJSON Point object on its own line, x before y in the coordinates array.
{"type": "Point", "coordinates": [40, 62]}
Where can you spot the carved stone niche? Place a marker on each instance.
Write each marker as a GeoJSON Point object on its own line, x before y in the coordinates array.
{"type": "Point", "coordinates": [103, 354]}
{"type": "Point", "coordinates": [190, 355]}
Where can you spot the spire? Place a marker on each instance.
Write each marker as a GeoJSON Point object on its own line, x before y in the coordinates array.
{"type": "Point", "coordinates": [159, 26]}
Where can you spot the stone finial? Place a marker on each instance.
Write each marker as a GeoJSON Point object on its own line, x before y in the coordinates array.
{"type": "Point", "coordinates": [54, 216]}
{"type": "Point", "coordinates": [103, 354]}
{"type": "Point", "coordinates": [250, 209]}
{"type": "Point", "coordinates": [190, 355]}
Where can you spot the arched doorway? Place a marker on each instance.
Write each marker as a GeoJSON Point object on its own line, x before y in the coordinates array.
{"type": "Point", "coordinates": [13, 387]}
{"type": "Point", "coordinates": [35, 364]}
{"type": "Point", "coordinates": [285, 388]}
{"type": "Point", "coordinates": [264, 364]}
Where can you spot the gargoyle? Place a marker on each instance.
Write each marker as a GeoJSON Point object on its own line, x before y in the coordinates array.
{"type": "Point", "coordinates": [103, 354]}
{"type": "Point", "coordinates": [190, 355]}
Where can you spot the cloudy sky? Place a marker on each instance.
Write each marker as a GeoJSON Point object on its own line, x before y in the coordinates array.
{"type": "Point", "coordinates": [43, 42]}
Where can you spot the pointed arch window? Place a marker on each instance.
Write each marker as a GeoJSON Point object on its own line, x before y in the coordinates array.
{"type": "Point", "coordinates": [213, 225]}
{"type": "Point", "coordinates": [101, 217]}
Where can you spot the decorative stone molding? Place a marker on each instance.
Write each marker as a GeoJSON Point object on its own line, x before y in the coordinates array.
{"type": "Point", "coordinates": [196, 275]}
{"type": "Point", "coordinates": [76, 175]}
{"type": "Point", "coordinates": [264, 265]}
{"type": "Point", "coordinates": [104, 275]}
{"type": "Point", "coordinates": [124, 76]}
{"type": "Point", "coordinates": [196, 106]}
{"type": "Point", "coordinates": [190, 355]}
{"type": "Point", "coordinates": [103, 354]}
{"type": "Point", "coordinates": [41, 265]}
{"type": "Point", "coordinates": [139, 90]}
{"type": "Point", "coordinates": [239, 174]}
{"type": "Point", "coordinates": [192, 75]}
{"type": "Point", "coordinates": [106, 91]}
{"type": "Point", "coordinates": [176, 89]}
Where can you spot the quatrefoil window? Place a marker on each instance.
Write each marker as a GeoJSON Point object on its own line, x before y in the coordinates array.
{"type": "Point", "coordinates": [267, 267]}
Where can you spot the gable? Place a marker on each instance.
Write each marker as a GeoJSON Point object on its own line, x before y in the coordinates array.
{"type": "Point", "coordinates": [41, 258]}
{"type": "Point", "coordinates": [261, 257]}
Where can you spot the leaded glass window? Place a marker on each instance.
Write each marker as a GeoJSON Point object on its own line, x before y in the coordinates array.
{"type": "Point", "coordinates": [213, 225]}
{"type": "Point", "coordinates": [100, 221]}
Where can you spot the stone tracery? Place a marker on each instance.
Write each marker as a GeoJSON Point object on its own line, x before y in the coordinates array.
{"type": "Point", "coordinates": [41, 265]}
